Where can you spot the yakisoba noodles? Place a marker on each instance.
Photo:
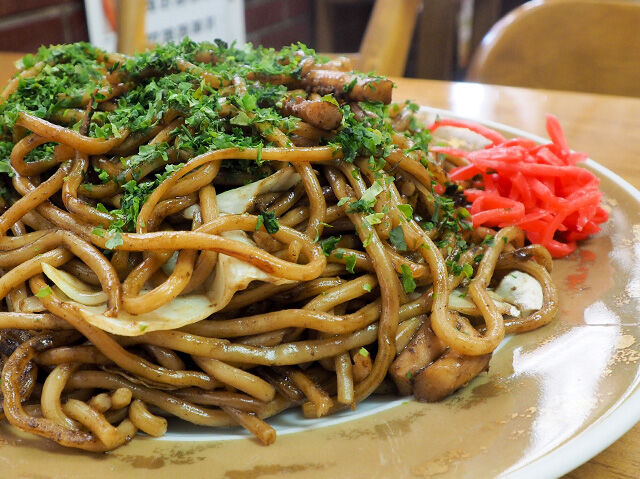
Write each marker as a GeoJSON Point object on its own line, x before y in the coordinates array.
{"type": "Point", "coordinates": [219, 234]}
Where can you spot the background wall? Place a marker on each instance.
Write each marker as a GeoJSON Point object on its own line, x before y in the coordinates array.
{"type": "Point", "coordinates": [27, 24]}
{"type": "Point", "coordinates": [275, 23]}
{"type": "Point", "coordinates": [327, 25]}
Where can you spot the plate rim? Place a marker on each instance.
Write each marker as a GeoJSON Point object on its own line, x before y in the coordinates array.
{"type": "Point", "coordinates": [614, 423]}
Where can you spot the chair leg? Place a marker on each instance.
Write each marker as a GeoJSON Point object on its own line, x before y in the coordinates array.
{"type": "Point", "coordinates": [323, 27]}
{"type": "Point", "coordinates": [485, 14]}
{"type": "Point", "coordinates": [437, 30]}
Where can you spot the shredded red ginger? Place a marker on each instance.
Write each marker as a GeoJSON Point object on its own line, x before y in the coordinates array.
{"type": "Point", "coordinates": [535, 187]}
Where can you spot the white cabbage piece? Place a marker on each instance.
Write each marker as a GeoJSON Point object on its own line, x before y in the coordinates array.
{"type": "Point", "coordinates": [74, 288]}
{"type": "Point", "coordinates": [453, 136]}
{"type": "Point", "coordinates": [230, 275]}
{"type": "Point", "coordinates": [461, 138]}
{"type": "Point", "coordinates": [522, 290]}
{"type": "Point", "coordinates": [459, 300]}
{"type": "Point", "coordinates": [181, 311]}
{"type": "Point", "coordinates": [239, 200]}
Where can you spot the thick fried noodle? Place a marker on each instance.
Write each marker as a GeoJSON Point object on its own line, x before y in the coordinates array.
{"type": "Point", "coordinates": [219, 234]}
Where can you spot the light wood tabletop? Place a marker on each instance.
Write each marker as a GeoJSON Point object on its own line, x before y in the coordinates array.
{"type": "Point", "coordinates": [606, 127]}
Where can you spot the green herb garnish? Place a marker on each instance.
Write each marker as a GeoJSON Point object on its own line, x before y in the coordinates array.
{"type": "Point", "coordinates": [396, 237]}
{"type": "Point", "coordinates": [329, 244]}
{"type": "Point", "coordinates": [406, 210]}
{"type": "Point", "coordinates": [269, 220]}
{"type": "Point", "coordinates": [408, 283]}
{"type": "Point", "coordinates": [350, 262]}
{"type": "Point", "coordinates": [44, 292]}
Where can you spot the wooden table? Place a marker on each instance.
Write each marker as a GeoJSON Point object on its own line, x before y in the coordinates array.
{"type": "Point", "coordinates": [607, 127]}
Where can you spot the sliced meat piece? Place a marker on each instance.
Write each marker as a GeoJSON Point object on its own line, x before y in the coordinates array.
{"type": "Point", "coordinates": [362, 365]}
{"type": "Point", "coordinates": [422, 350]}
{"type": "Point", "coordinates": [342, 64]}
{"type": "Point", "coordinates": [318, 113]}
{"type": "Point", "coordinates": [451, 371]}
{"type": "Point", "coordinates": [348, 85]}
{"type": "Point", "coordinates": [359, 113]}
{"type": "Point", "coordinates": [279, 79]}
{"type": "Point", "coordinates": [10, 339]}
{"type": "Point", "coordinates": [448, 374]}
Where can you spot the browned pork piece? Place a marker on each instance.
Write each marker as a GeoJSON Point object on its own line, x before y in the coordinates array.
{"type": "Point", "coordinates": [341, 64]}
{"type": "Point", "coordinates": [452, 371]}
{"type": "Point", "coordinates": [348, 85]}
{"type": "Point", "coordinates": [448, 374]}
{"type": "Point", "coordinates": [318, 113]}
{"type": "Point", "coordinates": [422, 350]}
{"type": "Point", "coordinates": [433, 371]}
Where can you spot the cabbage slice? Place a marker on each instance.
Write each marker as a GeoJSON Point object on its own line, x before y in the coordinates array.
{"type": "Point", "coordinates": [232, 275]}
{"type": "Point", "coordinates": [181, 311]}
{"type": "Point", "coordinates": [229, 276]}
{"type": "Point", "coordinates": [518, 295]}
{"type": "Point", "coordinates": [522, 290]}
{"type": "Point", "coordinates": [239, 200]}
{"type": "Point", "coordinates": [461, 302]}
{"type": "Point", "coordinates": [74, 288]}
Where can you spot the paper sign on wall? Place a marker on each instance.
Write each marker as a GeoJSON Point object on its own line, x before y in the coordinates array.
{"type": "Point", "coordinates": [171, 20]}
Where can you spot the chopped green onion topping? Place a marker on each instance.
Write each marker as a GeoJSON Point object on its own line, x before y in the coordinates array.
{"type": "Point", "coordinates": [350, 263]}
{"type": "Point", "coordinates": [408, 283]}
{"type": "Point", "coordinates": [44, 292]}
{"type": "Point", "coordinates": [396, 236]}
{"type": "Point", "coordinates": [406, 210]}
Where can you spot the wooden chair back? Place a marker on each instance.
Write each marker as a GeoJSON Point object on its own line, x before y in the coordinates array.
{"type": "Point", "coordinates": [384, 48]}
{"type": "Point", "coordinates": [582, 45]}
{"type": "Point", "coordinates": [385, 45]}
{"type": "Point", "coordinates": [438, 45]}
{"type": "Point", "coordinates": [131, 26]}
